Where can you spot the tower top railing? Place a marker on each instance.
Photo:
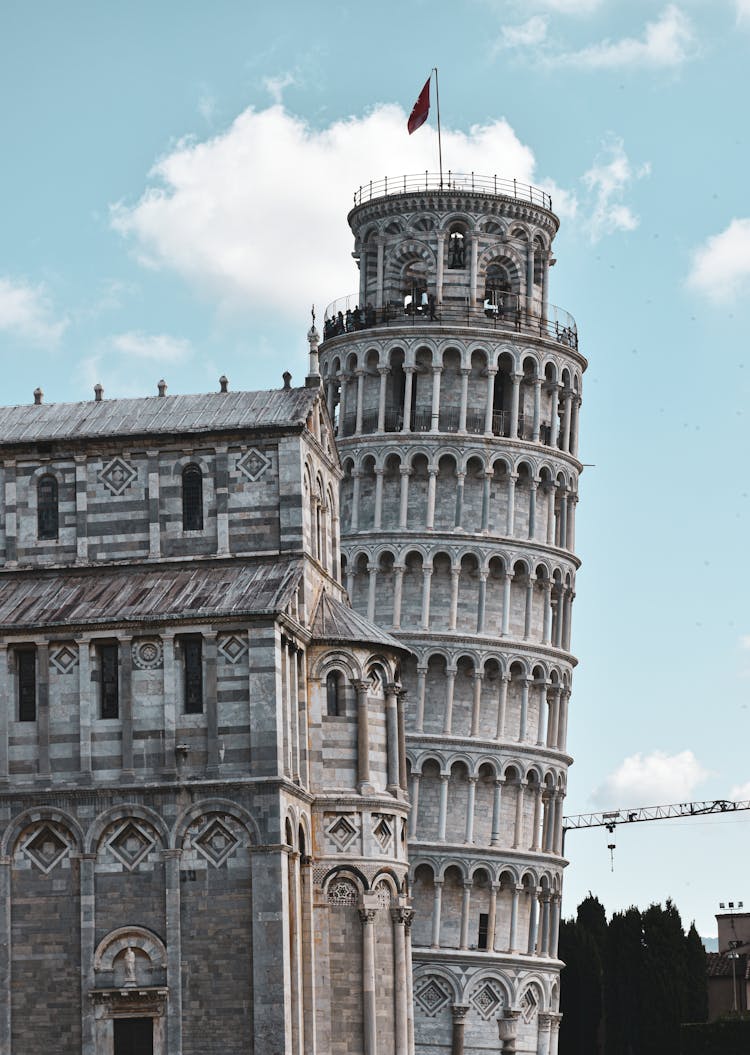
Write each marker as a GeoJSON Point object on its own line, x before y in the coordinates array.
{"type": "Point", "coordinates": [452, 181]}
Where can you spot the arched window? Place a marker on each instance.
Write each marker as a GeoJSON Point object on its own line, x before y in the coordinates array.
{"type": "Point", "coordinates": [192, 498]}
{"type": "Point", "coordinates": [47, 507]}
{"type": "Point", "coordinates": [335, 706]}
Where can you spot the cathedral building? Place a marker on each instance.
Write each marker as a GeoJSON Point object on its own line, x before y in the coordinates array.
{"type": "Point", "coordinates": [455, 388]}
{"type": "Point", "coordinates": [203, 801]}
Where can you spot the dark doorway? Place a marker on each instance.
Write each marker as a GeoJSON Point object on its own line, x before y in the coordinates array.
{"type": "Point", "coordinates": [134, 1036]}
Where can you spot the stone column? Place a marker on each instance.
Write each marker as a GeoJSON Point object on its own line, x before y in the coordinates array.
{"type": "Point", "coordinates": [421, 692]}
{"type": "Point", "coordinates": [363, 737]}
{"type": "Point", "coordinates": [533, 914]}
{"type": "Point", "coordinates": [502, 704]}
{"type": "Point", "coordinates": [554, 718]}
{"type": "Point", "coordinates": [547, 601]}
{"type": "Point", "coordinates": [350, 576]}
{"type": "Point", "coordinates": [400, 987]}
{"type": "Point", "coordinates": [528, 607]}
{"type": "Point", "coordinates": [11, 513]}
{"type": "Point", "coordinates": [370, 1025]}
{"type": "Point", "coordinates": [491, 372]}
{"type": "Point", "coordinates": [542, 726]}
{"type": "Point", "coordinates": [533, 485]}
{"type": "Point", "coordinates": [511, 514]}
{"type": "Point", "coordinates": [174, 950]}
{"type": "Point", "coordinates": [401, 707]}
{"type": "Point", "coordinates": [554, 926]}
{"type": "Point", "coordinates": [537, 410]}
{"type": "Point", "coordinates": [42, 711]}
{"type": "Point", "coordinates": [222, 501]}
{"type": "Point", "coordinates": [506, 603]}
{"type": "Point", "coordinates": [516, 379]}
{"type": "Point", "coordinates": [508, 1029]}
{"type": "Point", "coordinates": [524, 709]}
{"type": "Point", "coordinates": [488, 474]}
{"type": "Point", "coordinates": [473, 270]}
{"type": "Point", "coordinates": [436, 911]}
{"type": "Point", "coordinates": [398, 590]}
{"type": "Point", "coordinates": [359, 373]}
{"type": "Point", "coordinates": [331, 399]}
{"type": "Point", "coordinates": [212, 705]}
{"type": "Point", "coordinates": [372, 583]}
{"type": "Point", "coordinates": [470, 805]}
{"type": "Point", "coordinates": [450, 684]}
{"type": "Point", "coordinates": [554, 416]}
{"type": "Point", "coordinates": [169, 761]}
{"type": "Point", "coordinates": [343, 399]}
{"type": "Point", "coordinates": [482, 601]}
{"type": "Point", "coordinates": [403, 514]}
{"type": "Point", "coordinates": [455, 580]}
{"type": "Point", "coordinates": [563, 519]}
{"type": "Point", "coordinates": [384, 371]}
{"type": "Point", "coordinates": [87, 908]}
{"type": "Point", "coordinates": [544, 1023]}
{"type": "Point", "coordinates": [414, 803]}
{"type": "Point", "coordinates": [6, 714]}
{"type": "Point", "coordinates": [549, 822]}
{"type": "Point", "coordinates": [492, 917]}
{"type": "Point", "coordinates": [567, 399]}
{"type": "Point", "coordinates": [408, 385]}
{"type": "Point", "coordinates": [460, 480]}
{"type": "Point", "coordinates": [378, 499]}
{"type": "Point", "coordinates": [465, 373]}
{"type": "Point", "coordinates": [380, 243]}
{"type": "Point", "coordinates": [439, 266]}
{"type": "Point", "coordinates": [354, 520]}
{"type": "Point", "coordinates": [554, 1032]}
{"type": "Point", "coordinates": [572, 502]}
{"type": "Point", "coordinates": [443, 815]}
{"type": "Point", "coordinates": [435, 413]}
{"type": "Point", "coordinates": [154, 528]}
{"type": "Point", "coordinates": [530, 278]}
{"type": "Point", "coordinates": [497, 803]}
{"type": "Point", "coordinates": [518, 822]}
{"type": "Point", "coordinates": [409, 982]}
{"type": "Point", "coordinates": [574, 426]}
{"type": "Point", "coordinates": [431, 486]}
{"type": "Point", "coordinates": [126, 705]}
{"type": "Point", "coordinates": [460, 1012]}
{"type": "Point", "coordinates": [549, 490]}
{"type": "Point", "coordinates": [426, 580]}
{"type": "Point", "coordinates": [478, 678]}
{"type": "Point", "coordinates": [465, 907]}
{"type": "Point", "coordinates": [544, 897]}
{"type": "Point", "coordinates": [537, 816]}
{"type": "Point", "coordinates": [82, 542]}
{"type": "Point", "coordinates": [562, 732]}
{"type": "Point", "coordinates": [391, 722]}
{"type": "Point", "coordinates": [513, 932]}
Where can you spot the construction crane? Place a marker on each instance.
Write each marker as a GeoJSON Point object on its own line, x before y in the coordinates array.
{"type": "Point", "coordinates": [611, 818]}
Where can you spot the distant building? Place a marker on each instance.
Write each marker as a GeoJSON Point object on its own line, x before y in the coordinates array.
{"type": "Point", "coordinates": [202, 773]}
{"type": "Point", "coordinates": [729, 968]}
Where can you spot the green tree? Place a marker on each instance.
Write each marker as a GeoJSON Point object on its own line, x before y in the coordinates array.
{"type": "Point", "coordinates": [664, 980]}
{"type": "Point", "coordinates": [581, 983]}
{"type": "Point", "coordinates": [623, 966]}
{"type": "Point", "coordinates": [695, 1007]}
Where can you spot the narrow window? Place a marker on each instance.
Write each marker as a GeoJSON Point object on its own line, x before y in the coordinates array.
{"type": "Point", "coordinates": [46, 507]}
{"type": "Point", "coordinates": [192, 498]}
{"type": "Point", "coordinates": [334, 695]}
{"type": "Point", "coordinates": [26, 685]}
{"type": "Point", "coordinates": [192, 651]}
{"type": "Point", "coordinates": [109, 687]}
{"type": "Point", "coordinates": [483, 925]}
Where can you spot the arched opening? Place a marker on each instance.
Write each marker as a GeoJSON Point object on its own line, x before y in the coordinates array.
{"type": "Point", "coordinates": [47, 509]}
{"type": "Point", "coordinates": [335, 700]}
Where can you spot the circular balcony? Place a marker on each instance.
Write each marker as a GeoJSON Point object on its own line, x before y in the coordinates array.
{"type": "Point", "coordinates": [509, 314]}
{"type": "Point", "coordinates": [462, 182]}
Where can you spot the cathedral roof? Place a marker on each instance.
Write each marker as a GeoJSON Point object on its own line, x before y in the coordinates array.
{"type": "Point", "coordinates": [145, 594]}
{"type": "Point", "coordinates": [338, 623]}
{"type": "Point", "coordinates": [213, 411]}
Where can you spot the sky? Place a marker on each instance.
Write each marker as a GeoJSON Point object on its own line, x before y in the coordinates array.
{"type": "Point", "coordinates": [174, 186]}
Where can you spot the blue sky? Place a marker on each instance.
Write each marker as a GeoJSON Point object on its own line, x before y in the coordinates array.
{"type": "Point", "coordinates": [174, 189]}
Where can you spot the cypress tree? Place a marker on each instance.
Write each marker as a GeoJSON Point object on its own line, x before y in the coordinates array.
{"type": "Point", "coordinates": [695, 1007]}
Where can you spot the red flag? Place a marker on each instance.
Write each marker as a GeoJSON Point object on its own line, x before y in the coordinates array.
{"type": "Point", "coordinates": [421, 109]}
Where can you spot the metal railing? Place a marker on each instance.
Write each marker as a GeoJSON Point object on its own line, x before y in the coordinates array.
{"type": "Point", "coordinates": [509, 314]}
{"type": "Point", "coordinates": [452, 181]}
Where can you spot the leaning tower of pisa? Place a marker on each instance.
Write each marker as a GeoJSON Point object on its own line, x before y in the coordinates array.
{"type": "Point", "coordinates": [455, 387]}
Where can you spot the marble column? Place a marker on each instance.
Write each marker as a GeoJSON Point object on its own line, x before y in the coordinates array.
{"type": "Point", "coordinates": [370, 1026]}
{"type": "Point", "coordinates": [363, 736]}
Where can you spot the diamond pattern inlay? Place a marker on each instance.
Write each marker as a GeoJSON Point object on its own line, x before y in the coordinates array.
{"type": "Point", "coordinates": [342, 832]}
{"type": "Point", "coordinates": [232, 647]}
{"type": "Point", "coordinates": [529, 1005]}
{"type": "Point", "coordinates": [46, 849]}
{"type": "Point", "coordinates": [130, 845]}
{"type": "Point", "coordinates": [383, 833]}
{"type": "Point", "coordinates": [253, 464]}
{"type": "Point", "coordinates": [117, 476]}
{"type": "Point", "coordinates": [486, 1000]}
{"type": "Point", "coordinates": [432, 997]}
{"type": "Point", "coordinates": [216, 843]}
{"type": "Point", "coordinates": [63, 659]}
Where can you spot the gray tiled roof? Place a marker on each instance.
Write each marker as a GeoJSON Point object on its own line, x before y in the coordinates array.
{"type": "Point", "coordinates": [145, 594]}
{"type": "Point", "coordinates": [156, 414]}
{"type": "Point", "coordinates": [336, 622]}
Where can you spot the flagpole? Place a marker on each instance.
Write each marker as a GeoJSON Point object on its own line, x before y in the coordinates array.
{"type": "Point", "coordinates": [440, 142]}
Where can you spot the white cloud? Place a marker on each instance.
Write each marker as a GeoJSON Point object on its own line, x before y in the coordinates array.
{"type": "Point", "coordinates": [740, 792]}
{"type": "Point", "coordinates": [570, 7]}
{"type": "Point", "coordinates": [721, 266]}
{"type": "Point", "coordinates": [527, 34]}
{"type": "Point", "coordinates": [159, 347]}
{"type": "Point", "coordinates": [742, 9]}
{"type": "Point", "coordinates": [666, 43]}
{"type": "Point", "coordinates": [275, 86]}
{"type": "Point", "coordinates": [606, 182]}
{"type": "Point", "coordinates": [651, 780]}
{"type": "Point", "coordinates": [745, 641]}
{"type": "Point", "coordinates": [26, 313]}
{"type": "Point", "coordinates": [255, 217]}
